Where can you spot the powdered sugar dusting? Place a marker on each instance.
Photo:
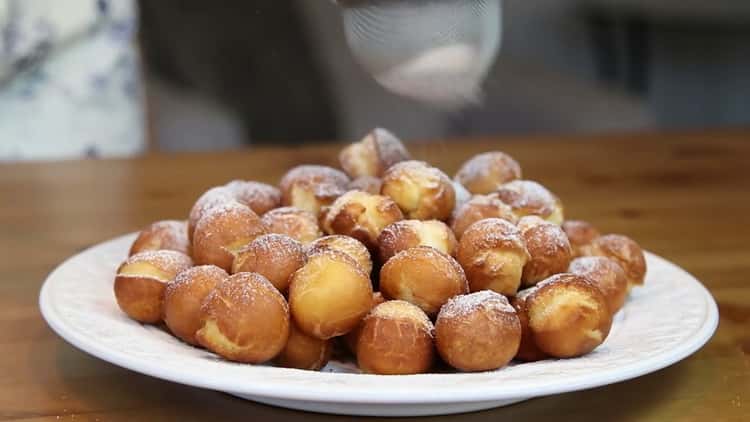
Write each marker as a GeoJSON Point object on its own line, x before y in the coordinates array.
{"type": "Point", "coordinates": [275, 248]}
{"type": "Point", "coordinates": [542, 237]}
{"type": "Point", "coordinates": [260, 197]}
{"type": "Point", "coordinates": [315, 174]}
{"type": "Point", "coordinates": [165, 234]}
{"type": "Point", "coordinates": [399, 309]}
{"type": "Point", "coordinates": [163, 259]}
{"type": "Point", "coordinates": [480, 301]}
{"type": "Point", "coordinates": [211, 198]}
{"type": "Point", "coordinates": [204, 271]}
{"type": "Point", "coordinates": [246, 288]}
{"type": "Point", "coordinates": [528, 196]}
{"type": "Point", "coordinates": [491, 232]}
{"type": "Point", "coordinates": [300, 224]}
{"type": "Point", "coordinates": [487, 165]}
{"type": "Point", "coordinates": [390, 149]}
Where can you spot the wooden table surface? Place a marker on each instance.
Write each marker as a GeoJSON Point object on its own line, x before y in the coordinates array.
{"type": "Point", "coordinates": [685, 197]}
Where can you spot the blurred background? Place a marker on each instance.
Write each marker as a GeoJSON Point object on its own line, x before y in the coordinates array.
{"type": "Point", "coordinates": [120, 77]}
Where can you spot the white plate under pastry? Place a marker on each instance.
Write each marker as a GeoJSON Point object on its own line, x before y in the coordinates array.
{"type": "Point", "coordinates": [665, 321]}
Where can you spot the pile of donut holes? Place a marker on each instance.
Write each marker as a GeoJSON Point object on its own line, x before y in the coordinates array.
{"type": "Point", "coordinates": [388, 260]}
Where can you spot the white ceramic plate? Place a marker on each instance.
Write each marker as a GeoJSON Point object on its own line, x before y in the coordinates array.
{"type": "Point", "coordinates": [662, 323]}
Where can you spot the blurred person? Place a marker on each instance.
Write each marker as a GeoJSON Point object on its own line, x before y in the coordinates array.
{"type": "Point", "coordinates": [69, 79]}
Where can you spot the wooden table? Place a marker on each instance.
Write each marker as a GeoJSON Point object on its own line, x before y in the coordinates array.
{"type": "Point", "coordinates": [685, 197]}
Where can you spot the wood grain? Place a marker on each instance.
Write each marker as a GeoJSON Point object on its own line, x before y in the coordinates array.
{"type": "Point", "coordinates": [682, 196]}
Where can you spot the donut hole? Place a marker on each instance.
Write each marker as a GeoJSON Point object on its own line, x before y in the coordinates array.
{"type": "Point", "coordinates": [563, 309]}
{"type": "Point", "coordinates": [437, 235]}
{"type": "Point", "coordinates": [329, 295]}
{"type": "Point", "coordinates": [360, 159]}
{"type": "Point", "coordinates": [498, 270]}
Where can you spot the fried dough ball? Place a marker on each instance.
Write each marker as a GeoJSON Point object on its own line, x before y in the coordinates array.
{"type": "Point", "coordinates": [274, 256]}
{"type": "Point", "coordinates": [478, 331]}
{"type": "Point", "coordinates": [623, 250]}
{"type": "Point", "coordinates": [422, 192]}
{"type": "Point", "coordinates": [352, 337]}
{"type": "Point", "coordinates": [484, 173]}
{"type": "Point", "coordinates": [568, 316]}
{"type": "Point", "coordinates": [329, 295]}
{"type": "Point", "coordinates": [548, 247]}
{"type": "Point", "coordinates": [162, 235]}
{"type": "Point", "coordinates": [406, 234]}
{"type": "Point", "coordinates": [312, 187]}
{"type": "Point", "coordinates": [222, 232]}
{"type": "Point", "coordinates": [580, 234]}
{"type": "Point", "coordinates": [244, 319]}
{"type": "Point", "coordinates": [493, 254]}
{"type": "Point", "coordinates": [214, 197]}
{"type": "Point", "coordinates": [304, 352]}
{"type": "Point", "coordinates": [480, 207]}
{"type": "Point", "coordinates": [367, 184]}
{"type": "Point", "coordinates": [607, 275]}
{"type": "Point", "coordinates": [362, 216]}
{"type": "Point", "coordinates": [260, 197]}
{"type": "Point", "coordinates": [141, 280]}
{"type": "Point", "coordinates": [348, 245]}
{"type": "Point", "coordinates": [294, 222]}
{"type": "Point", "coordinates": [530, 198]}
{"type": "Point", "coordinates": [528, 351]}
{"type": "Point", "coordinates": [424, 277]}
{"type": "Point", "coordinates": [373, 155]}
{"type": "Point", "coordinates": [183, 299]}
{"type": "Point", "coordinates": [396, 339]}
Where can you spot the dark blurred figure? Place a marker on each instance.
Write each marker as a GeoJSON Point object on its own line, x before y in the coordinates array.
{"type": "Point", "coordinates": [252, 56]}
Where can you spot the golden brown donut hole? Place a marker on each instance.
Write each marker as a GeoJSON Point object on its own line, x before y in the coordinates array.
{"type": "Point", "coordinates": [141, 280]}
{"type": "Point", "coordinates": [421, 191]}
{"type": "Point", "coordinates": [568, 316]}
{"type": "Point", "coordinates": [424, 277]}
{"type": "Point", "coordinates": [396, 339]}
{"type": "Point", "coordinates": [477, 332]}
{"type": "Point", "coordinates": [183, 299]}
{"type": "Point", "coordinates": [162, 235]}
{"type": "Point", "coordinates": [623, 250]}
{"type": "Point", "coordinates": [362, 216]}
{"type": "Point", "coordinates": [406, 234]}
{"type": "Point", "coordinates": [548, 247]}
{"type": "Point", "coordinates": [580, 234]}
{"type": "Point", "coordinates": [260, 197]}
{"type": "Point", "coordinates": [312, 187]}
{"type": "Point", "coordinates": [348, 245]}
{"type": "Point", "coordinates": [607, 275]}
{"type": "Point", "coordinates": [244, 319]}
{"type": "Point", "coordinates": [329, 295]}
{"type": "Point", "coordinates": [526, 197]}
{"type": "Point", "coordinates": [274, 256]}
{"type": "Point", "coordinates": [373, 155]}
{"type": "Point", "coordinates": [480, 207]}
{"type": "Point", "coordinates": [222, 232]}
{"type": "Point", "coordinates": [493, 254]}
{"type": "Point", "coordinates": [485, 172]}
{"type": "Point", "coordinates": [296, 223]}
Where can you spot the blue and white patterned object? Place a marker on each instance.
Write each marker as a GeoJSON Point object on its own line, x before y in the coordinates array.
{"type": "Point", "coordinates": [70, 82]}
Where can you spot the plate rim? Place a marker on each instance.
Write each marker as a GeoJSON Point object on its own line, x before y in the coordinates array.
{"type": "Point", "coordinates": [393, 396]}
